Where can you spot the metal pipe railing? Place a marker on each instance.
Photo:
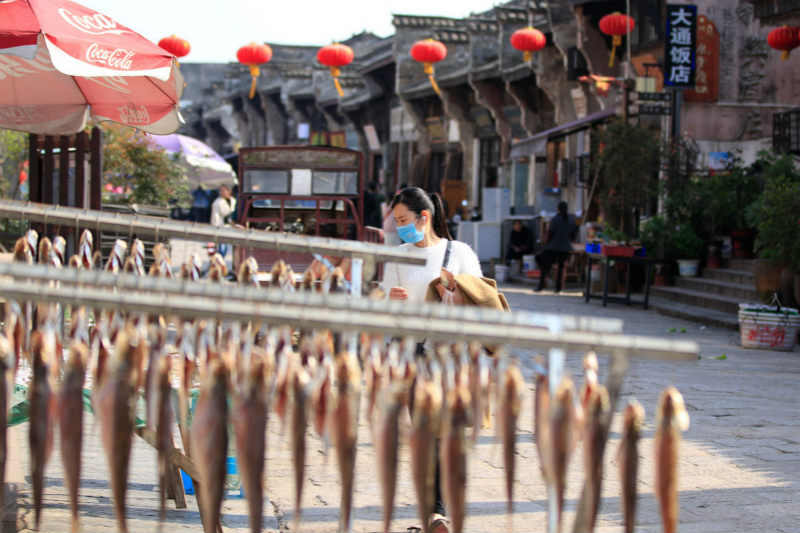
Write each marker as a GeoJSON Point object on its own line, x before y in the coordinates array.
{"type": "Point", "coordinates": [390, 322]}
{"type": "Point", "coordinates": [227, 291]}
{"type": "Point", "coordinates": [250, 238]}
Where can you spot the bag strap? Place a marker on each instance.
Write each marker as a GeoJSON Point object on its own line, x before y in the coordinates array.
{"type": "Point", "coordinates": [447, 254]}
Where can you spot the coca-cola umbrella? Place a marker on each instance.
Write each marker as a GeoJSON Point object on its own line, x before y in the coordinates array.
{"type": "Point", "coordinates": [203, 165]}
{"type": "Point", "coordinates": [61, 62]}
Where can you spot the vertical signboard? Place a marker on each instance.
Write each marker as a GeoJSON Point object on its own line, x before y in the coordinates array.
{"type": "Point", "coordinates": [706, 83]}
{"type": "Point", "coordinates": [679, 52]}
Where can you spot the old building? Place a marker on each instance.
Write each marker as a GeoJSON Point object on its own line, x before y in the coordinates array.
{"type": "Point", "coordinates": [498, 121]}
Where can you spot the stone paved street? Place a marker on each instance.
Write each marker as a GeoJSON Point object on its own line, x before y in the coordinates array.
{"type": "Point", "coordinates": [739, 466]}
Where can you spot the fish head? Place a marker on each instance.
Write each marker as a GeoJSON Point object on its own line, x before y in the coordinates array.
{"type": "Point", "coordinates": [633, 416]}
{"type": "Point", "coordinates": [32, 238]}
{"type": "Point", "coordinates": [75, 262]}
{"type": "Point", "coordinates": [22, 251]}
{"type": "Point", "coordinates": [59, 248]}
{"type": "Point", "coordinates": [45, 249]}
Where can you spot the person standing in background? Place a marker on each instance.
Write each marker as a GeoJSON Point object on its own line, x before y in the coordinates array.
{"type": "Point", "coordinates": [222, 213]}
{"type": "Point", "coordinates": [561, 232]}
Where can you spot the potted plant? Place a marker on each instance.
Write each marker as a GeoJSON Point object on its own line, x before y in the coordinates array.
{"type": "Point", "coordinates": [687, 246]}
{"type": "Point", "coordinates": [775, 217]}
{"type": "Point", "coordinates": [654, 235]}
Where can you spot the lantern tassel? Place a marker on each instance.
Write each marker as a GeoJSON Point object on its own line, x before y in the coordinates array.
{"type": "Point", "coordinates": [335, 71]}
{"type": "Point", "coordinates": [527, 56]}
{"type": "Point", "coordinates": [616, 41]}
{"type": "Point", "coordinates": [429, 72]}
{"type": "Point", "coordinates": [785, 55]}
{"type": "Point", "coordinates": [254, 72]}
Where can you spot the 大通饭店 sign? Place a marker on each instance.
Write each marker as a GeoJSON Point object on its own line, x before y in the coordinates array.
{"type": "Point", "coordinates": [679, 52]}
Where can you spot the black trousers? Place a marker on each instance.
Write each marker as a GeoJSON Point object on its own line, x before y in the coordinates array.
{"type": "Point", "coordinates": [512, 254]}
{"type": "Point", "coordinates": [546, 260]}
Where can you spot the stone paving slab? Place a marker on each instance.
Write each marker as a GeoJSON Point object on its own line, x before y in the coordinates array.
{"type": "Point", "coordinates": [739, 466]}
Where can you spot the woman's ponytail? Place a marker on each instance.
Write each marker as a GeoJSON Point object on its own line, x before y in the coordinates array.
{"type": "Point", "coordinates": [439, 222]}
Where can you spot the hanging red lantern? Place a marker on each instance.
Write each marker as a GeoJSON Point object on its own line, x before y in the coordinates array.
{"type": "Point", "coordinates": [616, 25]}
{"type": "Point", "coordinates": [175, 45]}
{"type": "Point", "coordinates": [785, 38]}
{"type": "Point", "coordinates": [253, 55]}
{"type": "Point", "coordinates": [528, 40]}
{"type": "Point", "coordinates": [429, 52]}
{"type": "Point", "coordinates": [335, 56]}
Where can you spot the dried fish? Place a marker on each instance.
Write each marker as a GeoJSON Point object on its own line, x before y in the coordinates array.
{"type": "Point", "coordinates": [163, 423]}
{"type": "Point", "coordinates": [249, 419]}
{"type": "Point", "coordinates": [115, 402]}
{"type": "Point", "coordinates": [541, 424]}
{"type": "Point", "coordinates": [386, 444]}
{"type": "Point", "coordinates": [344, 428]}
{"type": "Point", "coordinates": [210, 441]}
{"type": "Point", "coordinates": [562, 433]}
{"type": "Point", "coordinates": [453, 456]}
{"type": "Point", "coordinates": [508, 408]}
{"type": "Point", "coordinates": [42, 416]}
{"type": "Point", "coordinates": [628, 459]}
{"type": "Point", "coordinates": [594, 443]}
{"type": "Point", "coordinates": [426, 422]}
{"type": "Point", "coordinates": [299, 384]}
{"type": "Point", "coordinates": [70, 419]}
{"type": "Point", "coordinates": [671, 419]}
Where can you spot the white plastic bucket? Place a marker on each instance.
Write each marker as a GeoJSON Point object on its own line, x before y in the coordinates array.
{"type": "Point", "coordinates": [528, 262]}
{"type": "Point", "coordinates": [500, 273]}
{"type": "Point", "coordinates": [764, 328]}
{"type": "Point", "coordinates": [688, 267]}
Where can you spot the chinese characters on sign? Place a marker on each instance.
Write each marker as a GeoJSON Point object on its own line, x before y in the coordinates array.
{"type": "Point", "coordinates": [706, 80]}
{"type": "Point", "coordinates": [679, 54]}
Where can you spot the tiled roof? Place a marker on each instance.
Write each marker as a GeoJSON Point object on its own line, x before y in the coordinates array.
{"type": "Point", "coordinates": [414, 21]}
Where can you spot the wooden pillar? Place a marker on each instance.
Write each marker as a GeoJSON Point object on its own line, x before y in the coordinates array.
{"type": "Point", "coordinates": [34, 169]}
{"type": "Point", "coordinates": [63, 170]}
{"type": "Point", "coordinates": [80, 171]}
{"type": "Point", "coordinates": [96, 169]}
{"type": "Point", "coordinates": [47, 171]}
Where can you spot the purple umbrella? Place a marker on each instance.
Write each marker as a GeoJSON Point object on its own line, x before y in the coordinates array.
{"type": "Point", "coordinates": [204, 166]}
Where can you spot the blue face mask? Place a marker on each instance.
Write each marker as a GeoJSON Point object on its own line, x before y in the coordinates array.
{"type": "Point", "coordinates": [409, 233]}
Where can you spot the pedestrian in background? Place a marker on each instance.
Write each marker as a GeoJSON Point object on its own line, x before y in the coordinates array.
{"type": "Point", "coordinates": [561, 232]}
{"type": "Point", "coordinates": [222, 213]}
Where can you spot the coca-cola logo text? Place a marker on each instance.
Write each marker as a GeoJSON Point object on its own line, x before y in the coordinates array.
{"type": "Point", "coordinates": [132, 114]}
{"type": "Point", "coordinates": [118, 58]}
{"type": "Point", "coordinates": [18, 114]}
{"type": "Point", "coordinates": [94, 24]}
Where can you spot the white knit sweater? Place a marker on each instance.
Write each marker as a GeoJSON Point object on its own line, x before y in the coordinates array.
{"type": "Point", "coordinates": [415, 279]}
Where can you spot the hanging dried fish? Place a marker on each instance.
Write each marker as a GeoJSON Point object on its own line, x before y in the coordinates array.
{"type": "Point", "coordinates": [509, 403]}
{"type": "Point", "coordinates": [249, 419]}
{"type": "Point", "coordinates": [70, 420]}
{"type": "Point", "coordinates": [209, 438]}
{"type": "Point", "coordinates": [424, 430]}
{"type": "Point", "coordinates": [42, 413]}
{"type": "Point", "coordinates": [541, 424]}
{"type": "Point", "coordinates": [163, 424]}
{"type": "Point", "coordinates": [453, 454]}
{"type": "Point", "coordinates": [387, 437]}
{"type": "Point", "coordinates": [299, 422]}
{"type": "Point", "coordinates": [85, 249]}
{"type": "Point", "coordinates": [628, 459]}
{"type": "Point", "coordinates": [594, 443]}
{"type": "Point", "coordinates": [344, 428]}
{"type": "Point", "coordinates": [116, 398]}
{"type": "Point", "coordinates": [562, 435]}
{"type": "Point", "coordinates": [671, 419]}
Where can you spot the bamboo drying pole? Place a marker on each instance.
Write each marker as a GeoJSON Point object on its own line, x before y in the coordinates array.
{"type": "Point", "coordinates": [307, 300]}
{"type": "Point", "coordinates": [249, 238]}
{"type": "Point", "coordinates": [403, 320]}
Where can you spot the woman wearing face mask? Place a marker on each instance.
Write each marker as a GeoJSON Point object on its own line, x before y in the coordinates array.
{"type": "Point", "coordinates": [421, 224]}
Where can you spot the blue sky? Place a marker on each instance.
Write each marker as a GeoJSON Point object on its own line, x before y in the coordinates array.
{"type": "Point", "coordinates": [216, 29]}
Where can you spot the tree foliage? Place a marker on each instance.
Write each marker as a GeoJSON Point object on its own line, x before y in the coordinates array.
{"type": "Point", "coordinates": [148, 172]}
{"type": "Point", "coordinates": [13, 154]}
{"type": "Point", "coordinates": [628, 158]}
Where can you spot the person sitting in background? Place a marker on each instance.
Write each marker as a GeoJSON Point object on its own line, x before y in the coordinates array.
{"type": "Point", "coordinates": [561, 232]}
{"type": "Point", "coordinates": [520, 243]}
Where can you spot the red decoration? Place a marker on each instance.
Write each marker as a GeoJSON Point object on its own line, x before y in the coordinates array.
{"type": "Point", "coordinates": [253, 55]}
{"type": "Point", "coordinates": [429, 52]}
{"type": "Point", "coordinates": [335, 56]}
{"type": "Point", "coordinates": [175, 45]}
{"type": "Point", "coordinates": [528, 40]}
{"type": "Point", "coordinates": [785, 38]}
{"type": "Point", "coordinates": [616, 25]}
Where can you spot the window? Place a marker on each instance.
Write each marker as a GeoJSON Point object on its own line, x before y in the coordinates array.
{"type": "Point", "coordinates": [489, 161]}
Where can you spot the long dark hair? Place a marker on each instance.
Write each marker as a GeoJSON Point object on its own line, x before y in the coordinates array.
{"type": "Point", "coordinates": [417, 201]}
{"type": "Point", "coordinates": [562, 210]}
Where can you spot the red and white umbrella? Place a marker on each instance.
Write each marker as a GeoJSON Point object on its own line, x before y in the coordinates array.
{"type": "Point", "coordinates": [61, 62]}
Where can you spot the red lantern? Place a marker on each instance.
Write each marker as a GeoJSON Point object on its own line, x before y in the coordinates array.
{"type": "Point", "coordinates": [616, 25]}
{"type": "Point", "coordinates": [335, 56]}
{"type": "Point", "coordinates": [253, 55]}
{"type": "Point", "coordinates": [429, 52]}
{"type": "Point", "coordinates": [785, 38]}
{"type": "Point", "coordinates": [175, 45]}
{"type": "Point", "coordinates": [528, 40]}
